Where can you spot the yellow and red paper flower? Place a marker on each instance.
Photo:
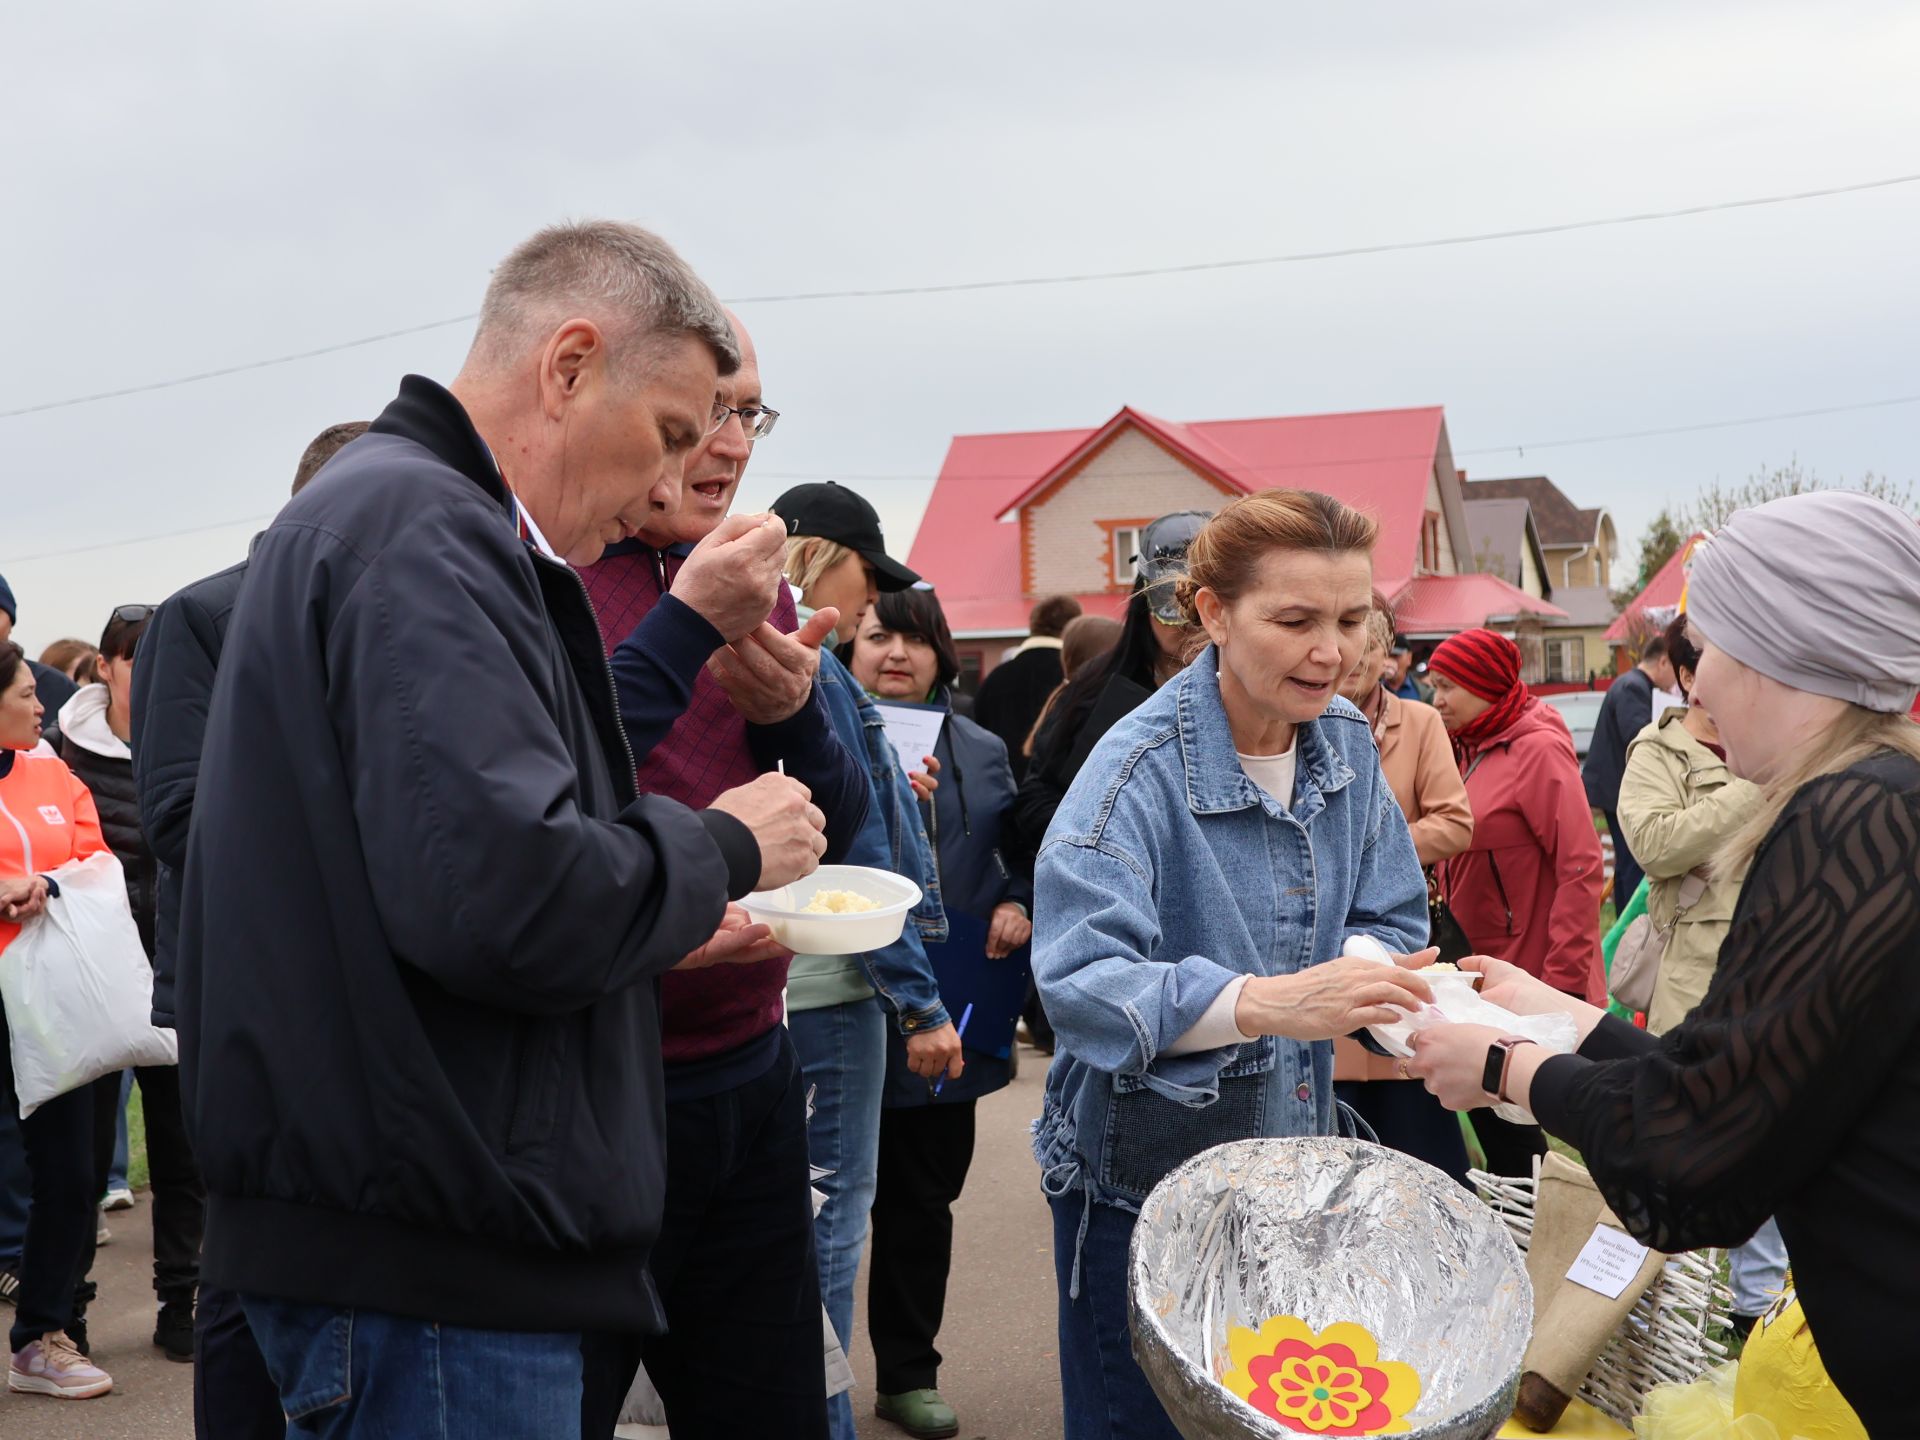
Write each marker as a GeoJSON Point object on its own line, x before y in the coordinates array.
{"type": "Point", "coordinates": [1332, 1382]}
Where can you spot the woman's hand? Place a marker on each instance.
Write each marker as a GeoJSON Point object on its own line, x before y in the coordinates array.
{"type": "Point", "coordinates": [924, 782]}
{"type": "Point", "coordinates": [1511, 988]}
{"type": "Point", "coordinates": [1010, 930]}
{"type": "Point", "coordinates": [1335, 998]}
{"type": "Point", "coordinates": [932, 1053]}
{"type": "Point", "coordinates": [24, 898]}
{"type": "Point", "coordinates": [1452, 1060]}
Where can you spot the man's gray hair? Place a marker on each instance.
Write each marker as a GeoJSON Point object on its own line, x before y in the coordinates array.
{"type": "Point", "coordinates": [627, 280]}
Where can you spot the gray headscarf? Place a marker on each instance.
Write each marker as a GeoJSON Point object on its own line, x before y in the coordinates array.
{"type": "Point", "coordinates": [1819, 591]}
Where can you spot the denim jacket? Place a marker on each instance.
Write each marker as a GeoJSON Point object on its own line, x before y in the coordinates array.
{"type": "Point", "coordinates": [893, 838]}
{"type": "Point", "coordinates": [1166, 873]}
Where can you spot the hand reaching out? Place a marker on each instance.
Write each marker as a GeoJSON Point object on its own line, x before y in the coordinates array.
{"type": "Point", "coordinates": [1009, 930]}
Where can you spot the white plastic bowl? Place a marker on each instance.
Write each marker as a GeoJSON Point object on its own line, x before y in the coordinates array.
{"type": "Point", "coordinates": [811, 934]}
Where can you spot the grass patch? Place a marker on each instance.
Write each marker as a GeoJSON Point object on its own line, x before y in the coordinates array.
{"type": "Point", "coordinates": [137, 1174]}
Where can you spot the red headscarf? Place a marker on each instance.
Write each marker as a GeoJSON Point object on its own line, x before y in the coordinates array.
{"type": "Point", "coordinates": [1488, 665]}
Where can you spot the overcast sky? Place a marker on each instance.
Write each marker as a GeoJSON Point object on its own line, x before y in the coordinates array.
{"type": "Point", "coordinates": [202, 184]}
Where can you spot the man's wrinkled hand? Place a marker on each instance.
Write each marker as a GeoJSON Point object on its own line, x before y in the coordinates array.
{"type": "Point", "coordinates": [769, 676]}
{"type": "Point", "coordinates": [786, 824]}
{"type": "Point", "coordinates": [740, 940]}
{"type": "Point", "coordinates": [732, 578]}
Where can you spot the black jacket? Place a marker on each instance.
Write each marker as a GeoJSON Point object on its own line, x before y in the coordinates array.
{"type": "Point", "coordinates": [1012, 697]}
{"type": "Point", "coordinates": [85, 746]}
{"type": "Point", "coordinates": [968, 825]}
{"type": "Point", "coordinates": [172, 688]}
{"type": "Point", "coordinates": [1624, 713]}
{"type": "Point", "coordinates": [423, 913]}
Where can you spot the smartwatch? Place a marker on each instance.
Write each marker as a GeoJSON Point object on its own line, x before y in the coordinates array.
{"type": "Point", "coordinates": [1493, 1076]}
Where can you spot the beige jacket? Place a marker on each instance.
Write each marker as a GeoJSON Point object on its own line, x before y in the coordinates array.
{"type": "Point", "coordinates": [1417, 758]}
{"type": "Point", "coordinates": [1678, 804]}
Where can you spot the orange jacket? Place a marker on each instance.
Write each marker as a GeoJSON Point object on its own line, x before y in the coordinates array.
{"type": "Point", "coordinates": [46, 819]}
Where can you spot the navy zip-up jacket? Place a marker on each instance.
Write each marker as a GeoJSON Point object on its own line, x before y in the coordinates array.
{"type": "Point", "coordinates": [424, 913]}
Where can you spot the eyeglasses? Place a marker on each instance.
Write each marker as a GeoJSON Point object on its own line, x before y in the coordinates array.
{"type": "Point", "coordinates": [133, 614]}
{"type": "Point", "coordinates": [756, 420]}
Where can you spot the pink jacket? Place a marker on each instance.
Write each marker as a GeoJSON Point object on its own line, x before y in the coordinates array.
{"type": "Point", "coordinates": [1528, 889]}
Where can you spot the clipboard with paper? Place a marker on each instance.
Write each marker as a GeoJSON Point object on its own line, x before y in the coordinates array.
{"type": "Point", "coordinates": [995, 988]}
{"type": "Point", "coordinates": [912, 730]}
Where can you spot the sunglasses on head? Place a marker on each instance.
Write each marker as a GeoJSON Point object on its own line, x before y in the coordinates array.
{"type": "Point", "coordinates": [133, 614]}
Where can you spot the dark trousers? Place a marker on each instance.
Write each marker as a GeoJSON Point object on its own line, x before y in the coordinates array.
{"type": "Point", "coordinates": [925, 1151]}
{"type": "Point", "coordinates": [1626, 869]}
{"type": "Point", "coordinates": [179, 1197]}
{"type": "Point", "coordinates": [16, 1189]}
{"type": "Point", "coordinates": [57, 1138]}
{"type": "Point", "coordinates": [1510, 1149]}
{"type": "Point", "coordinates": [234, 1398]}
{"type": "Point", "coordinates": [1409, 1119]}
{"type": "Point", "coordinates": [745, 1348]}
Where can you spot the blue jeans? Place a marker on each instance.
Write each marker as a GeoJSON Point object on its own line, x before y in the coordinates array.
{"type": "Point", "coordinates": [16, 1189]}
{"type": "Point", "coordinates": [843, 1059]}
{"type": "Point", "coordinates": [364, 1375]}
{"type": "Point", "coordinates": [1757, 1271]}
{"type": "Point", "coordinates": [117, 1173]}
{"type": "Point", "coordinates": [1103, 1392]}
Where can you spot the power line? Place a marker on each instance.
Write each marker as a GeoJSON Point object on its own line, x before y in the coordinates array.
{"type": "Point", "coordinates": [1022, 282]}
{"type": "Point", "coordinates": [843, 475]}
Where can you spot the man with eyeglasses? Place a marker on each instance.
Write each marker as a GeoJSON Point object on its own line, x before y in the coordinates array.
{"type": "Point", "coordinates": [425, 909]}
{"type": "Point", "coordinates": [717, 684]}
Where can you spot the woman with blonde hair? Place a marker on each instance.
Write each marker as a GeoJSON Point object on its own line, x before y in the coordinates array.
{"type": "Point", "coordinates": [1793, 1087]}
{"type": "Point", "coordinates": [1213, 856]}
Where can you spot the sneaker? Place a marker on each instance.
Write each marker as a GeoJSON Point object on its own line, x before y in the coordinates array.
{"type": "Point", "coordinates": [9, 1287]}
{"type": "Point", "coordinates": [103, 1236]}
{"type": "Point", "coordinates": [173, 1330]}
{"type": "Point", "coordinates": [119, 1198]}
{"type": "Point", "coordinates": [921, 1413]}
{"type": "Point", "coordinates": [51, 1366]}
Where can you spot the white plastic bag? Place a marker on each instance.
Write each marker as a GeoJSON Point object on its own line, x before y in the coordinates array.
{"type": "Point", "coordinates": [78, 988]}
{"type": "Point", "coordinates": [1456, 1002]}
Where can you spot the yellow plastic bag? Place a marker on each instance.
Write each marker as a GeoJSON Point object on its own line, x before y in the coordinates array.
{"type": "Point", "coordinates": [1703, 1410]}
{"type": "Point", "coordinates": [1783, 1379]}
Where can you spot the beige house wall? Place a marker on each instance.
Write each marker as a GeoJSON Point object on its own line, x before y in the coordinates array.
{"type": "Point", "coordinates": [1597, 654]}
{"type": "Point", "coordinates": [1067, 548]}
{"type": "Point", "coordinates": [1447, 565]}
{"type": "Point", "coordinates": [1530, 577]}
{"type": "Point", "coordinates": [1564, 569]}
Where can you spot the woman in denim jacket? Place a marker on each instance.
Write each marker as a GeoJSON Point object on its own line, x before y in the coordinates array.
{"type": "Point", "coordinates": [1215, 853]}
{"type": "Point", "coordinates": [839, 1006]}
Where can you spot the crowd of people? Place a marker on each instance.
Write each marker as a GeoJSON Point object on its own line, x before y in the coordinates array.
{"type": "Point", "coordinates": [436, 813]}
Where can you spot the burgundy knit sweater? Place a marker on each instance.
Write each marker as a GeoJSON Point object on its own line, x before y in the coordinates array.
{"type": "Point", "coordinates": [703, 1012]}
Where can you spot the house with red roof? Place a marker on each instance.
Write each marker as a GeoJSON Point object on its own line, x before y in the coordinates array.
{"type": "Point", "coordinates": [1015, 517]}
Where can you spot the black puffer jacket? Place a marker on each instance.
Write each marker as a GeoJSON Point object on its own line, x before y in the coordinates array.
{"type": "Point", "coordinates": [104, 764]}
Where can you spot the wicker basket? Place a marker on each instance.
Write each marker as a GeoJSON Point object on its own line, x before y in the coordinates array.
{"type": "Point", "coordinates": [1664, 1338]}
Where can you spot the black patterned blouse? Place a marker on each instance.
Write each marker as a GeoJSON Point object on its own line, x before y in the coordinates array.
{"type": "Point", "coordinates": [1794, 1088]}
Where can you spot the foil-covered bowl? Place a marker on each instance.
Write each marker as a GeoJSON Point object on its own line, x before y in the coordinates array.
{"type": "Point", "coordinates": [1328, 1230]}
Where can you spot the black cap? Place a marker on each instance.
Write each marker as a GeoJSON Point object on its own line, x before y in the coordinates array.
{"type": "Point", "coordinates": [832, 512]}
{"type": "Point", "coordinates": [1400, 646]}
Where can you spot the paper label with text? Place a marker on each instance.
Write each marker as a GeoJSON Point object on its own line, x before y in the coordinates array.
{"type": "Point", "coordinates": [1608, 1261]}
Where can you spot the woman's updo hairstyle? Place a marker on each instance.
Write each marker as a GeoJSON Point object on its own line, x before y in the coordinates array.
{"type": "Point", "coordinates": [1225, 556]}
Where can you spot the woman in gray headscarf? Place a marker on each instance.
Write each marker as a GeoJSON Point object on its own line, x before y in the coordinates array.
{"type": "Point", "coordinates": [1793, 1088]}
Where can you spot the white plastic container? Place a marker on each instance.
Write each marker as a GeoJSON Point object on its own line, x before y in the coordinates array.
{"type": "Point", "coordinates": [783, 911]}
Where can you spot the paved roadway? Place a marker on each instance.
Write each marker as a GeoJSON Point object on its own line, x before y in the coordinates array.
{"type": "Point", "coordinates": [1000, 1371]}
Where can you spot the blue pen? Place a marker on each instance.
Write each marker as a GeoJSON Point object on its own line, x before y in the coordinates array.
{"type": "Point", "coordinates": [960, 1033]}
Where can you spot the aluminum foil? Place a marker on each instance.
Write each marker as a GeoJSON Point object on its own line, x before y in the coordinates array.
{"type": "Point", "coordinates": [1329, 1230]}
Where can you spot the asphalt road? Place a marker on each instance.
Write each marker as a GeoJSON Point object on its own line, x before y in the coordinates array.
{"type": "Point", "coordinates": [1000, 1370]}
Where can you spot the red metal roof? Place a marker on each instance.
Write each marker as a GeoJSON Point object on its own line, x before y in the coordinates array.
{"type": "Point", "coordinates": [1666, 587]}
{"type": "Point", "coordinates": [1379, 461]}
{"type": "Point", "coordinates": [1448, 604]}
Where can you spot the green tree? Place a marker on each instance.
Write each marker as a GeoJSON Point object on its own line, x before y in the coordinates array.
{"type": "Point", "coordinates": [1663, 537]}
{"type": "Point", "coordinates": [1716, 502]}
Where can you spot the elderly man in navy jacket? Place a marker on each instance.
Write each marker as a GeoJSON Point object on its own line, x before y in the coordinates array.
{"type": "Point", "coordinates": [424, 909]}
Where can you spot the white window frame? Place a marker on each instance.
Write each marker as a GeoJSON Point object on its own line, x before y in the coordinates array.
{"type": "Point", "coordinates": [1122, 557]}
